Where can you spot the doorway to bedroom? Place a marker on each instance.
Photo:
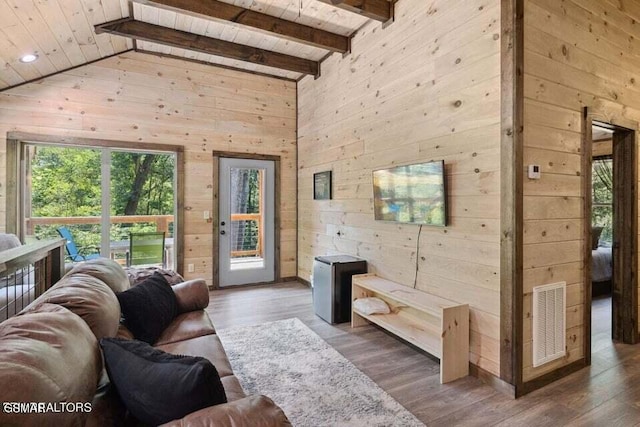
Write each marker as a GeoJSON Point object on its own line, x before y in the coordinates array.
{"type": "Point", "coordinates": [611, 256]}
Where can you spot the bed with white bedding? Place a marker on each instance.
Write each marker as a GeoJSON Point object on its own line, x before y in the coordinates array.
{"type": "Point", "coordinates": [601, 265]}
{"type": "Point", "coordinates": [601, 271]}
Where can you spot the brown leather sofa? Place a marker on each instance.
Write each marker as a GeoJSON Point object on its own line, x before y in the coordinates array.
{"type": "Point", "coordinates": [50, 352]}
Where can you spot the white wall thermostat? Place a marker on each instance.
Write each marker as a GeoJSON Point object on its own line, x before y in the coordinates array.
{"type": "Point", "coordinates": [534, 171]}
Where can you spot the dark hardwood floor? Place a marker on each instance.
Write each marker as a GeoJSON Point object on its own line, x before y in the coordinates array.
{"type": "Point", "coordinates": [606, 393]}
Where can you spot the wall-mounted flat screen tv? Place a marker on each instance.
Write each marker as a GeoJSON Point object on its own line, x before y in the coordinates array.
{"type": "Point", "coordinates": [412, 194]}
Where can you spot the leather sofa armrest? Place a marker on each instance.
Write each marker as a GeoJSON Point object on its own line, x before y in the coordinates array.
{"type": "Point", "coordinates": [251, 411]}
{"type": "Point", "coordinates": [191, 295]}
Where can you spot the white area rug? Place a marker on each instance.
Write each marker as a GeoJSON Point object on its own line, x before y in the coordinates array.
{"type": "Point", "coordinates": [313, 383]}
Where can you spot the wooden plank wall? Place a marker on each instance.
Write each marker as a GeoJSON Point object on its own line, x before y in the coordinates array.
{"type": "Point", "coordinates": [577, 53]}
{"type": "Point", "coordinates": [425, 88]}
{"type": "Point", "coordinates": [144, 98]}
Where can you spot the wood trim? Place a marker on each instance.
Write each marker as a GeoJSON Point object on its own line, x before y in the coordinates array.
{"type": "Point", "coordinates": [216, 206]}
{"type": "Point", "coordinates": [132, 15]}
{"type": "Point", "coordinates": [65, 70]}
{"type": "Point", "coordinates": [392, 12]}
{"type": "Point", "coordinates": [320, 61]}
{"type": "Point", "coordinates": [380, 10]}
{"type": "Point", "coordinates": [587, 147]}
{"type": "Point", "coordinates": [211, 64]}
{"type": "Point", "coordinates": [251, 156]}
{"type": "Point", "coordinates": [179, 221]}
{"type": "Point", "coordinates": [215, 220]}
{"type": "Point", "coordinates": [93, 142]}
{"type": "Point", "coordinates": [198, 43]}
{"type": "Point", "coordinates": [303, 281]}
{"type": "Point", "coordinates": [492, 380]}
{"type": "Point", "coordinates": [550, 377]}
{"type": "Point", "coordinates": [57, 264]}
{"type": "Point", "coordinates": [269, 24]}
{"type": "Point", "coordinates": [12, 225]}
{"type": "Point", "coordinates": [297, 193]}
{"type": "Point", "coordinates": [625, 245]}
{"type": "Point", "coordinates": [276, 218]}
{"type": "Point", "coordinates": [511, 245]}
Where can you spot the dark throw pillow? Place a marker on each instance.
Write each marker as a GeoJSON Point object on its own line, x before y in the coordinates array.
{"type": "Point", "coordinates": [157, 387]}
{"type": "Point", "coordinates": [148, 308]}
{"type": "Point", "coordinates": [595, 237]}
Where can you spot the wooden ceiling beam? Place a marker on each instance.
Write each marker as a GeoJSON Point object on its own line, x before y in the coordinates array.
{"type": "Point", "coordinates": [225, 12]}
{"type": "Point", "coordinates": [181, 39]}
{"type": "Point", "coordinates": [380, 10]}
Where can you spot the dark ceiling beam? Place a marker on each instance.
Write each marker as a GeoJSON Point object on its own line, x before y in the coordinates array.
{"type": "Point", "coordinates": [380, 10]}
{"type": "Point", "coordinates": [213, 64]}
{"type": "Point", "coordinates": [225, 12]}
{"type": "Point", "coordinates": [181, 39]}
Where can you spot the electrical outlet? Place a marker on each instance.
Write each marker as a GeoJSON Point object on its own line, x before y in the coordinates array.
{"type": "Point", "coordinates": [191, 268]}
{"type": "Point", "coordinates": [206, 215]}
{"type": "Point", "coordinates": [533, 172]}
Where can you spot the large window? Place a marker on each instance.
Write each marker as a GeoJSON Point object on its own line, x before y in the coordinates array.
{"type": "Point", "coordinates": [602, 209]}
{"type": "Point", "coordinates": [99, 196]}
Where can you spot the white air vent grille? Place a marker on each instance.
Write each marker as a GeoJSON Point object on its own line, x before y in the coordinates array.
{"type": "Point", "coordinates": [549, 320]}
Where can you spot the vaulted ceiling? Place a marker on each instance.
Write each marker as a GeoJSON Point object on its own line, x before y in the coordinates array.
{"type": "Point", "coordinates": [283, 38]}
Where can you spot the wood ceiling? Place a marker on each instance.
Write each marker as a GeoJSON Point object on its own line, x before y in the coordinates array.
{"type": "Point", "coordinates": [283, 38]}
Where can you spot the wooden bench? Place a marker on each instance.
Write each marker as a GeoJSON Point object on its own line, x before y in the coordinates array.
{"type": "Point", "coordinates": [431, 323]}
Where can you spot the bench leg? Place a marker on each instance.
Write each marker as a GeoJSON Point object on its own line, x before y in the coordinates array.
{"type": "Point", "coordinates": [454, 362]}
{"type": "Point", "coordinates": [357, 320]}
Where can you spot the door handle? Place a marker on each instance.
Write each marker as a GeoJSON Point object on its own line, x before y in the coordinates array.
{"type": "Point", "coordinates": [223, 232]}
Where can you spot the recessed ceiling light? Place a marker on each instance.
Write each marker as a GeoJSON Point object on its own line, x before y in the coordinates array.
{"type": "Point", "coordinates": [28, 58]}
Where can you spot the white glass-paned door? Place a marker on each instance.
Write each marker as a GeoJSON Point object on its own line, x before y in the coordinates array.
{"type": "Point", "coordinates": [247, 218]}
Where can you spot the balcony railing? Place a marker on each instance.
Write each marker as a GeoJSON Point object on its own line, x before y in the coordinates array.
{"type": "Point", "coordinates": [26, 272]}
{"type": "Point", "coordinates": [161, 221]}
{"type": "Point", "coordinates": [257, 252]}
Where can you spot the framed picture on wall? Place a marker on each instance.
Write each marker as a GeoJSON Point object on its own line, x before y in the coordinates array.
{"type": "Point", "coordinates": [322, 186]}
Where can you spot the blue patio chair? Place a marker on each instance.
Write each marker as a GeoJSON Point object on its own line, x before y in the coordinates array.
{"type": "Point", "coordinates": [73, 252]}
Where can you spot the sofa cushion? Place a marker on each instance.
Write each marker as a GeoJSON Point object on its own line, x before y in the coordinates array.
{"type": "Point", "coordinates": [158, 387]}
{"type": "Point", "coordinates": [251, 411]}
{"type": "Point", "coordinates": [89, 298]}
{"type": "Point", "coordinates": [47, 355]}
{"type": "Point", "coordinates": [148, 308]}
{"type": "Point", "coordinates": [105, 269]}
{"type": "Point", "coordinates": [232, 388]}
{"type": "Point", "coordinates": [187, 325]}
{"type": "Point", "coordinates": [192, 295]}
{"type": "Point", "coordinates": [208, 346]}
{"type": "Point", "coordinates": [9, 241]}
